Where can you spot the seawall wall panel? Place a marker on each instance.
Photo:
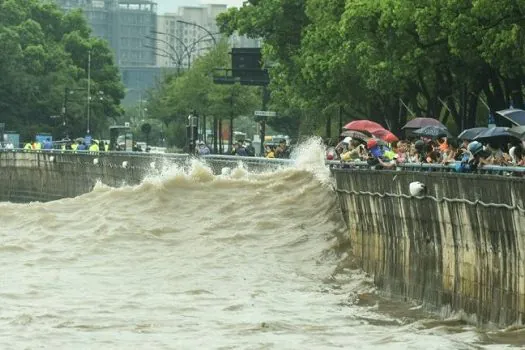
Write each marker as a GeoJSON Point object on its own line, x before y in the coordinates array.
{"type": "Point", "coordinates": [461, 246]}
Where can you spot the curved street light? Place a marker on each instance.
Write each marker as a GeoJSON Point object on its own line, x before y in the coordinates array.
{"type": "Point", "coordinates": [201, 27]}
{"type": "Point", "coordinates": [167, 54]}
{"type": "Point", "coordinates": [188, 49]}
{"type": "Point", "coordinates": [179, 40]}
{"type": "Point", "coordinates": [179, 59]}
{"type": "Point", "coordinates": [200, 40]}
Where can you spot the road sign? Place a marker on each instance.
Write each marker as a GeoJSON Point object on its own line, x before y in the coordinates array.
{"type": "Point", "coordinates": [265, 114]}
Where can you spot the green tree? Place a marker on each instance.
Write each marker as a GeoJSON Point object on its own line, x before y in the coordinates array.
{"type": "Point", "coordinates": [44, 52]}
{"type": "Point", "coordinates": [178, 95]}
{"type": "Point", "coordinates": [388, 59]}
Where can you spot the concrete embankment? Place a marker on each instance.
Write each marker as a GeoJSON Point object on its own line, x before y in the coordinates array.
{"type": "Point", "coordinates": [460, 247]}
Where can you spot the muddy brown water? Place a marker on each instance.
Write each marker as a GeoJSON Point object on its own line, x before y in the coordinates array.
{"type": "Point", "coordinates": [190, 260]}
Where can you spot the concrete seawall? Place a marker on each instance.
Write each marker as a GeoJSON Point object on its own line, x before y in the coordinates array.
{"type": "Point", "coordinates": [46, 176]}
{"type": "Point", "coordinates": [461, 247]}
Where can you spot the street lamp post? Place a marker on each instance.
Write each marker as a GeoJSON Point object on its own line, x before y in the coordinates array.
{"type": "Point", "coordinates": [88, 89]}
{"type": "Point", "coordinates": [188, 49]}
{"type": "Point", "coordinates": [179, 59]}
{"type": "Point", "coordinates": [201, 27]}
{"type": "Point", "coordinates": [67, 92]}
{"type": "Point", "coordinates": [179, 40]}
{"type": "Point", "coordinates": [192, 132]}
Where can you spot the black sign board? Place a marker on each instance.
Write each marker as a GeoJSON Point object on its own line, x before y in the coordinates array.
{"type": "Point", "coordinates": [247, 68]}
{"type": "Point", "coordinates": [246, 59]}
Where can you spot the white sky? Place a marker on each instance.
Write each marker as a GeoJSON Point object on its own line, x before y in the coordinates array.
{"type": "Point", "coordinates": [172, 5]}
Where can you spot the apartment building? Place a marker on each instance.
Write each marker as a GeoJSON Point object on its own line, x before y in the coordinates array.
{"type": "Point", "coordinates": [191, 32]}
{"type": "Point", "coordinates": [126, 25]}
{"type": "Point", "coordinates": [145, 44]}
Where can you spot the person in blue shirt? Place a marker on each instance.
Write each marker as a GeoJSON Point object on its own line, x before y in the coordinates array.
{"type": "Point", "coordinates": [203, 149]}
{"type": "Point", "coordinates": [377, 155]}
{"type": "Point", "coordinates": [48, 145]}
{"type": "Point", "coordinates": [81, 146]}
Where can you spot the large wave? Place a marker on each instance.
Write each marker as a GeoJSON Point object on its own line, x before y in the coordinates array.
{"type": "Point", "coordinates": [274, 202]}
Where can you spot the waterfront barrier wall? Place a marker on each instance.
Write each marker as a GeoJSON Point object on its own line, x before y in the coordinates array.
{"type": "Point", "coordinates": [50, 175]}
{"type": "Point", "coordinates": [458, 248]}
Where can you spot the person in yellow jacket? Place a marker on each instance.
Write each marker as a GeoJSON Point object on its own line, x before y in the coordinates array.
{"type": "Point", "coordinates": [94, 147]}
{"type": "Point", "coordinates": [270, 152]}
{"type": "Point", "coordinates": [28, 146]}
{"type": "Point", "coordinates": [37, 146]}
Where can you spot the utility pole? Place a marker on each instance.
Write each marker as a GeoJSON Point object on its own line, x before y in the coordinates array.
{"type": "Point", "coordinates": [231, 120]}
{"type": "Point", "coordinates": [265, 100]}
{"type": "Point", "coordinates": [88, 89]}
{"type": "Point", "coordinates": [340, 119]}
{"type": "Point", "coordinates": [140, 107]}
{"type": "Point", "coordinates": [64, 108]}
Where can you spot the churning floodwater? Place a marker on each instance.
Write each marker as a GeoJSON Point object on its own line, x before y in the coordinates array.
{"type": "Point", "coordinates": [190, 260]}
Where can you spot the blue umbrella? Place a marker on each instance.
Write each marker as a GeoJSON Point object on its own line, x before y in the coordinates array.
{"type": "Point", "coordinates": [470, 134]}
{"type": "Point", "coordinates": [433, 131]}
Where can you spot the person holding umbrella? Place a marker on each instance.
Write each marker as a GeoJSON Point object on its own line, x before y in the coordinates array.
{"type": "Point", "coordinates": [355, 151]}
{"type": "Point", "coordinates": [376, 155]}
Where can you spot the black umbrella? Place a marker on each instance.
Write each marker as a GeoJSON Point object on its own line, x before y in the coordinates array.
{"type": "Point", "coordinates": [497, 131]}
{"type": "Point", "coordinates": [497, 135]}
{"type": "Point", "coordinates": [470, 134]}
{"type": "Point", "coordinates": [433, 131]}
{"type": "Point", "coordinates": [419, 123]}
{"type": "Point", "coordinates": [514, 115]}
{"type": "Point", "coordinates": [518, 131]}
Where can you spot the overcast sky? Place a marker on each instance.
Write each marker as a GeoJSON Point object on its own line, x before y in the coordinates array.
{"type": "Point", "coordinates": [171, 5]}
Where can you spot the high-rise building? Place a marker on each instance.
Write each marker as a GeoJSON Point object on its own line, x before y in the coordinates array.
{"type": "Point", "coordinates": [125, 24]}
{"type": "Point", "coordinates": [144, 43]}
{"type": "Point", "coordinates": [190, 33]}
{"type": "Point", "coordinates": [129, 26]}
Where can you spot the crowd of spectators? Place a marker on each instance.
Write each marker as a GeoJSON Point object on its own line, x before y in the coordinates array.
{"type": "Point", "coordinates": [443, 150]}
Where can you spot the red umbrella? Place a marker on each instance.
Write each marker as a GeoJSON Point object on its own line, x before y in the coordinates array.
{"type": "Point", "coordinates": [385, 135]}
{"type": "Point", "coordinates": [363, 125]}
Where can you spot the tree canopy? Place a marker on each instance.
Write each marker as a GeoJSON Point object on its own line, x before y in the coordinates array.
{"type": "Point", "coordinates": [43, 65]}
{"type": "Point", "coordinates": [389, 60]}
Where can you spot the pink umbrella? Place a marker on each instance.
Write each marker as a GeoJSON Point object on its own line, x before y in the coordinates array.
{"type": "Point", "coordinates": [385, 135]}
{"type": "Point", "coordinates": [363, 125]}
